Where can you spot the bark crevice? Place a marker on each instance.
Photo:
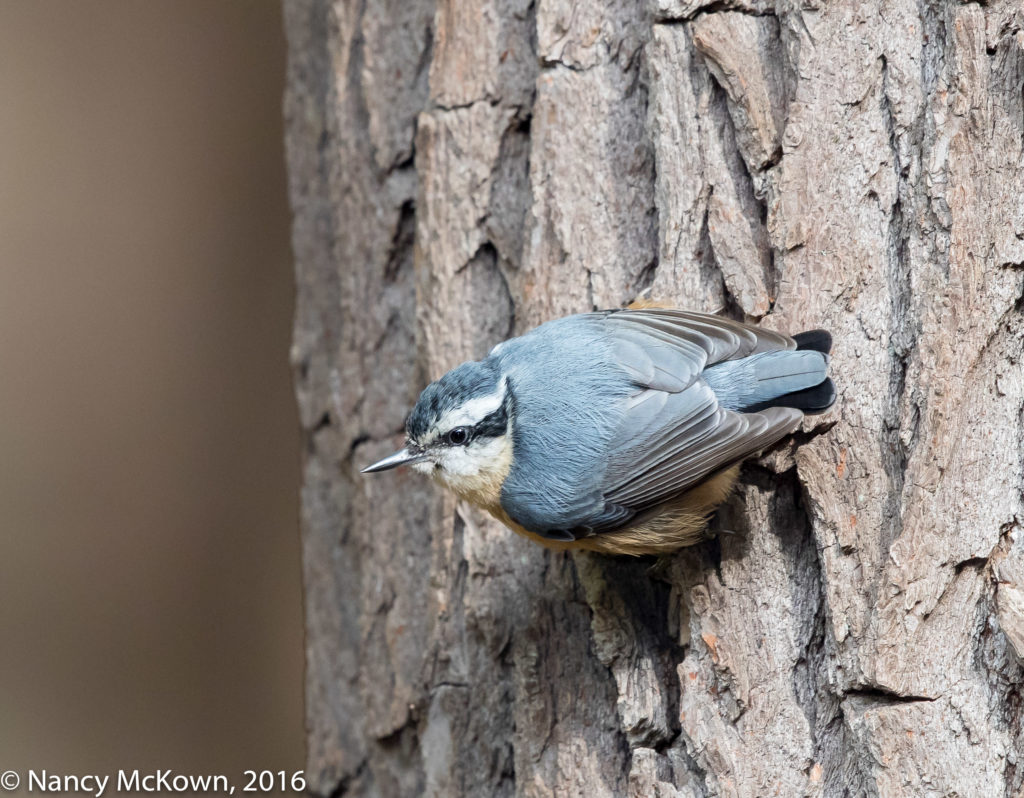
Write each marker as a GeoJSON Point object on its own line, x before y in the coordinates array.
{"type": "Point", "coordinates": [462, 171]}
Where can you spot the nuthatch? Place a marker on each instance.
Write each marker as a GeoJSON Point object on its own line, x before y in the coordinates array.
{"type": "Point", "coordinates": [618, 431]}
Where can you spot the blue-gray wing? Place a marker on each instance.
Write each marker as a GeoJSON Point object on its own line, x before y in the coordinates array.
{"type": "Point", "coordinates": [672, 433]}
{"type": "Point", "coordinates": [669, 443]}
{"type": "Point", "coordinates": [668, 349]}
{"type": "Point", "coordinates": [644, 425]}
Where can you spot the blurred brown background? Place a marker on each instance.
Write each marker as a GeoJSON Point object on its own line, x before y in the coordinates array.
{"type": "Point", "coordinates": [149, 555]}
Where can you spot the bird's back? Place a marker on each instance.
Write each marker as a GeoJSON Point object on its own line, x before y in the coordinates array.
{"type": "Point", "coordinates": [615, 418]}
{"type": "Point", "coordinates": [568, 396]}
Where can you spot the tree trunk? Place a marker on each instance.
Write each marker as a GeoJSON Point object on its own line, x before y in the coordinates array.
{"type": "Point", "coordinates": [462, 170]}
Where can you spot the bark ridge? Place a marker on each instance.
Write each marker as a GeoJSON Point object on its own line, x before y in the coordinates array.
{"type": "Point", "coordinates": [461, 170]}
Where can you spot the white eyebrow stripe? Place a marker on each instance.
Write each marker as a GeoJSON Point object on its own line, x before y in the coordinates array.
{"type": "Point", "coordinates": [475, 410]}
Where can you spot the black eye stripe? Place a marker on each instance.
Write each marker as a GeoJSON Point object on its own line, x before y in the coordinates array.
{"type": "Point", "coordinates": [493, 425]}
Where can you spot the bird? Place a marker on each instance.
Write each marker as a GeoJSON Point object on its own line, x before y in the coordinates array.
{"type": "Point", "coordinates": [616, 431]}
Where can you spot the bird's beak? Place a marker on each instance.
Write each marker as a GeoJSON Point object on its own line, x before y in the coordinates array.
{"type": "Point", "coordinates": [403, 457]}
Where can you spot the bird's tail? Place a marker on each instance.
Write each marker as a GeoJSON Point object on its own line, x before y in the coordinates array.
{"type": "Point", "coordinates": [788, 378]}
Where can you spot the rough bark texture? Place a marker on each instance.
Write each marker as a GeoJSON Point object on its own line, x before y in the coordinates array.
{"type": "Point", "coordinates": [464, 169]}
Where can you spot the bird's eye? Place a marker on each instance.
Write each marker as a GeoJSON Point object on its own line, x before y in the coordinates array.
{"type": "Point", "coordinates": [457, 436]}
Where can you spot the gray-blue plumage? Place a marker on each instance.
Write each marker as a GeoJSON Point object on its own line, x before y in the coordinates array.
{"type": "Point", "coordinates": [750, 381]}
{"type": "Point", "coordinates": [614, 413]}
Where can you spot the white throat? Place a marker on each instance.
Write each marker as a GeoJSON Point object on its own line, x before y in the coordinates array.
{"type": "Point", "coordinates": [476, 472]}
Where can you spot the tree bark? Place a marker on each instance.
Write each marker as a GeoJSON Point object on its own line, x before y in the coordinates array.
{"type": "Point", "coordinates": [462, 170]}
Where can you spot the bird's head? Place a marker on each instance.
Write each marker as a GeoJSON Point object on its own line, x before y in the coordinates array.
{"type": "Point", "coordinates": [460, 432]}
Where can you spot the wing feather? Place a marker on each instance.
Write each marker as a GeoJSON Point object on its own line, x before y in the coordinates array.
{"type": "Point", "coordinates": [736, 435]}
{"type": "Point", "coordinates": [673, 433]}
{"type": "Point", "coordinates": [719, 338]}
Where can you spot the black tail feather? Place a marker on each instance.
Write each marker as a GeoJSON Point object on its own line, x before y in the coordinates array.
{"type": "Point", "coordinates": [813, 401]}
{"type": "Point", "coordinates": [818, 340]}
